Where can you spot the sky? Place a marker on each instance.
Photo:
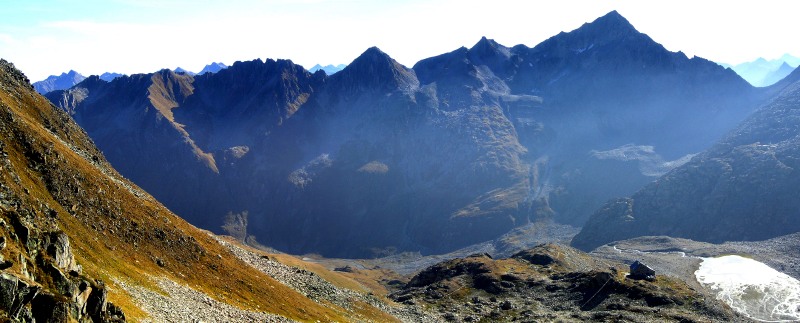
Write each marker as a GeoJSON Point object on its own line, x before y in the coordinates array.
{"type": "Point", "coordinates": [44, 37]}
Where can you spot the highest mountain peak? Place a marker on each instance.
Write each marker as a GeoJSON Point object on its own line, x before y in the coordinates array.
{"type": "Point", "coordinates": [611, 26]}
{"type": "Point", "coordinates": [376, 68]}
{"type": "Point", "coordinates": [612, 29]}
{"type": "Point", "coordinates": [613, 17]}
{"type": "Point", "coordinates": [371, 56]}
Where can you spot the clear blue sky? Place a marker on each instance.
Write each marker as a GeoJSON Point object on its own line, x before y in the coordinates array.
{"type": "Point", "coordinates": [44, 37]}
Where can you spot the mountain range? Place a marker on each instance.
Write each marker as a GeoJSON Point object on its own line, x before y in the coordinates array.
{"type": "Point", "coordinates": [423, 169]}
{"type": "Point", "coordinates": [762, 72]}
{"type": "Point", "coordinates": [329, 69]}
{"type": "Point", "coordinates": [71, 78]}
{"type": "Point", "coordinates": [80, 243]}
{"type": "Point", "coordinates": [380, 158]}
{"type": "Point", "coordinates": [58, 82]}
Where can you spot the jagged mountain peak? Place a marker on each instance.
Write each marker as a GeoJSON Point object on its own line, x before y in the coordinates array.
{"type": "Point", "coordinates": [488, 48]}
{"type": "Point", "coordinates": [58, 82]}
{"type": "Point", "coordinates": [610, 28]}
{"type": "Point", "coordinates": [376, 69]}
{"type": "Point", "coordinates": [613, 17]}
{"type": "Point", "coordinates": [611, 25]}
{"type": "Point", "coordinates": [373, 56]}
{"type": "Point", "coordinates": [486, 43]}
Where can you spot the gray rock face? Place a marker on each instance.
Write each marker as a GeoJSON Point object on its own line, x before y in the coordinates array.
{"type": "Point", "coordinates": [742, 188]}
{"type": "Point", "coordinates": [58, 247]}
{"type": "Point", "coordinates": [15, 294]}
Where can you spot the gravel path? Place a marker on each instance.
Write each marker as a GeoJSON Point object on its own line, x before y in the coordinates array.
{"type": "Point", "coordinates": [318, 289]}
{"type": "Point", "coordinates": [183, 304]}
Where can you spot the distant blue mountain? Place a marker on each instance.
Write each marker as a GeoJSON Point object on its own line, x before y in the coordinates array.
{"type": "Point", "coordinates": [182, 70]}
{"type": "Point", "coordinates": [213, 68]}
{"type": "Point", "coordinates": [60, 82]}
{"type": "Point", "coordinates": [762, 72]}
{"type": "Point", "coordinates": [329, 69]}
{"type": "Point", "coordinates": [110, 76]}
{"type": "Point", "coordinates": [773, 77]}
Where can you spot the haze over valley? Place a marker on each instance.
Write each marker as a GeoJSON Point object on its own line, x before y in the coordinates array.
{"type": "Point", "coordinates": [594, 176]}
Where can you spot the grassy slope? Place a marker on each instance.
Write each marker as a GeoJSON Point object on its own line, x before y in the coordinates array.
{"type": "Point", "coordinates": [116, 233]}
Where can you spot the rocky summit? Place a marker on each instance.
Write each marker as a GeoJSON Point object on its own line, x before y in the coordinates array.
{"type": "Point", "coordinates": [742, 188]}
{"type": "Point", "coordinates": [379, 158]}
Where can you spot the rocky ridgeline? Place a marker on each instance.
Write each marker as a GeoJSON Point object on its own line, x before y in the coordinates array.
{"type": "Point", "coordinates": [40, 278]}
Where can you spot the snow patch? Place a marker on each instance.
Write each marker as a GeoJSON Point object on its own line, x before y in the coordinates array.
{"type": "Point", "coordinates": [581, 50]}
{"type": "Point", "coordinates": [752, 288]}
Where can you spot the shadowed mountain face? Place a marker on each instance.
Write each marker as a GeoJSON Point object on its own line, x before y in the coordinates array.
{"type": "Point", "coordinates": [745, 187]}
{"type": "Point", "coordinates": [379, 157]}
{"type": "Point", "coordinates": [75, 233]}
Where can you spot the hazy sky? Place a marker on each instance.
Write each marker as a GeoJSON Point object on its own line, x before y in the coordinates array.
{"type": "Point", "coordinates": [135, 36]}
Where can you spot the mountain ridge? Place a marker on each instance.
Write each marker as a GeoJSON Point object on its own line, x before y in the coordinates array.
{"type": "Point", "coordinates": [507, 135]}
{"type": "Point", "coordinates": [58, 82]}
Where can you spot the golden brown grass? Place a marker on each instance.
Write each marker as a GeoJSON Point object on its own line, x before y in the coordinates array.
{"type": "Point", "coordinates": [114, 233]}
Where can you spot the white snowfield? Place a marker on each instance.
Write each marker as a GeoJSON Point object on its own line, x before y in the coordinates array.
{"type": "Point", "coordinates": [752, 288]}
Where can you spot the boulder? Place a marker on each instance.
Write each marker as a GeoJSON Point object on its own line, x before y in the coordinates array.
{"type": "Point", "coordinates": [59, 248]}
{"type": "Point", "coordinates": [641, 271]}
{"type": "Point", "coordinates": [15, 294]}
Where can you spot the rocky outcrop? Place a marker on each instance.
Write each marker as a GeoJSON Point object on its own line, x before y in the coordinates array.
{"type": "Point", "coordinates": [16, 296]}
{"type": "Point", "coordinates": [742, 188]}
{"type": "Point", "coordinates": [479, 288]}
{"type": "Point", "coordinates": [47, 284]}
